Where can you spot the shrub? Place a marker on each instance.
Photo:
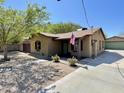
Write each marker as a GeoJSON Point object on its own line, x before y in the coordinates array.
{"type": "Point", "coordinates": [72, 61]}
{"type": "Point", "coordinates": [56, 58]}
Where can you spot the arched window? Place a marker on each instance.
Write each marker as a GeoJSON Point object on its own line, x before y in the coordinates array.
{"type": "Point", "coordinates": [38, 45]}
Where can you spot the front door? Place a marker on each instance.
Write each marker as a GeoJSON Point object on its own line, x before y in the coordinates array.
{"type": "Point", "coordinates": [26, 48]}
{"type": "Point", "coordinates": [64, 48]}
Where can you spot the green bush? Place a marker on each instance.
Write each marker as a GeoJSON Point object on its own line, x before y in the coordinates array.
{"type": "Point", "coordinates": [72, 61]}
{"type": "Point", "coordinates": [56, 58]}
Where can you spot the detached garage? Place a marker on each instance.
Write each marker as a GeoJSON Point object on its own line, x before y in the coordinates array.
{"type": "Point", "coordinates": [115, 42]}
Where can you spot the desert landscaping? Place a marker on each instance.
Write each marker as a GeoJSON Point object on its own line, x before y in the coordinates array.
{"type": "Point", "coordinates": [26, 74]}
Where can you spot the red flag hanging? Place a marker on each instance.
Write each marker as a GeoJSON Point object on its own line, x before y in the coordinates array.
{"type": "Point", "coordinates": [72, 39]}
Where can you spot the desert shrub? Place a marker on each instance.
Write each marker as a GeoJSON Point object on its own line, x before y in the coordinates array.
{"type": "Point", "coordinates": [56, 58]}
{"type": "Point", "coordinates": [72, 61]}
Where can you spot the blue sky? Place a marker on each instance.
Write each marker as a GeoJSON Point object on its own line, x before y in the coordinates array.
{"type": "Point", "coordinates": [107, 14]}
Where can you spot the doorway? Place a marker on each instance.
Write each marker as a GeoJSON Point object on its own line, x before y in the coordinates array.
{"type": "Point", "coordinates": [26, 48]}
{"type": "Point", "coordinates": [64, 48]}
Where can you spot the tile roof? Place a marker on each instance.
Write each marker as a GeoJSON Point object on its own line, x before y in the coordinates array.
{"type": "Point", "coordinates": [78, 34]}
{"type": "Point", "coordinates": [48, 34]}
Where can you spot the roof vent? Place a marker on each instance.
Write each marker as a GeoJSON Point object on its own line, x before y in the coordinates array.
{"type": "Point", "coordinates": [84, 28]}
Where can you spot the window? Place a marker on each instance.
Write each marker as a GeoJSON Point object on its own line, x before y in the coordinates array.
{"type": "Point", "coordinates": [81, 45]}
{"type": "Point", "coordinates": [38, 45]}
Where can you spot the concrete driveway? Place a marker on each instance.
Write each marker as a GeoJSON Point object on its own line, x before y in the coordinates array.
{"type": "Point", "coordinates": [107, 57]}
{"type": "Point", "coordinates": [107, 77]}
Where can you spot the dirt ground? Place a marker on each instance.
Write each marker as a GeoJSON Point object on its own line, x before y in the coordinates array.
{"type": "Point", "coordinates": [26, 74]}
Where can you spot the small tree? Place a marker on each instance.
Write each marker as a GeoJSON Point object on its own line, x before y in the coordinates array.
{"type": "Point", "coordinates": [1, 1]}
{"type": "Point", "coordinates": [15, 24]}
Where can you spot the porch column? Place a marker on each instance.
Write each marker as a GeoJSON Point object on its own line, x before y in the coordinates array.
{"type": "Point", "coordinates": [90, 46]}
{"type": "Point", "coordinates": [79, 47]}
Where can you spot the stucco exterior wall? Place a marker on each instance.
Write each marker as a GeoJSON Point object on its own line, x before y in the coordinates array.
{"type": "Point", "coordinates": [49, 46]}
{"type": "Point", "coordinates": [54, 47]}
{"type": "Point", "coordinates": [99, 43]}
{"type": "Point", "coordinates": [44, 44]}
{"type": "Point", "coordinates": [87, 48]}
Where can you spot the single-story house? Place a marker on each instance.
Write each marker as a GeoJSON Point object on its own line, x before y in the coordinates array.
{"type": "Point", "coordinates": [88, 43]}
{"type": "Point", "coordinates": [115, 42]}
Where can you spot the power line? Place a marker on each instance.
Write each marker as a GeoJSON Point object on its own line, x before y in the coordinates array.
{"type": "Point", "coordinates": [85, 13]}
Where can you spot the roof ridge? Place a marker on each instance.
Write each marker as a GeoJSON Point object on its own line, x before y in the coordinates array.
{"type": "Point", "coordinates": [67, 35]}
{"type": "Point", "coordinates": [115, 36]}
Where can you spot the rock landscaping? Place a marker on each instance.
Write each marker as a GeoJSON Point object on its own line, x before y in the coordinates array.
{"type": "Point", "coordinates": [25, 75]}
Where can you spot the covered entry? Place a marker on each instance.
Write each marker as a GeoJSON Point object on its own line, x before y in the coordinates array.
{"type": "Point", "coordinates": [64, 48]}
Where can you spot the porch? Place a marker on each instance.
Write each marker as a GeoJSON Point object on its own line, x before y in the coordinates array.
{"type": "Point", "coordinates": [82, 47]}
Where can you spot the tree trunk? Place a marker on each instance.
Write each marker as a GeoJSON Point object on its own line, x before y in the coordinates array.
{"type": "Point", "coordinates": [5, 52]}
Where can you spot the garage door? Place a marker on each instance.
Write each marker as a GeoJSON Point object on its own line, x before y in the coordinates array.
{"type": "Point", "coordinates": [115, 45]}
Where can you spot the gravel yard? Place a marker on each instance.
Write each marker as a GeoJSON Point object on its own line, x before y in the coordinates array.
{"type": "Point", "coordinates": [24, 74]}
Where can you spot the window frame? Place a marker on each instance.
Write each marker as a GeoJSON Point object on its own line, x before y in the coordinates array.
{"type": "Point", "coordinates": [37, 45]}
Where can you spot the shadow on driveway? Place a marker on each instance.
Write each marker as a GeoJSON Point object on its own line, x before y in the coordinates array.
{"type": "Point", "coordinates": [107, 57]}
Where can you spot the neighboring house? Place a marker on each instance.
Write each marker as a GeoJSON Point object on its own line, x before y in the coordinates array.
{"type": "Point", "coordinates": [115, 42]}
{"type": "Point", "coordinates": [88, 43]}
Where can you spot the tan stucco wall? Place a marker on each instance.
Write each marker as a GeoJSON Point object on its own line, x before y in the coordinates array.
{"type": "Point", "coordinates": [49, 46]}
{"type": "Point", "coordinates": [54, 47]}
{"type": "Point", "coordinates": [44, 44]}
{"type": "Point", "coordinates": [87, 48]}
{"type": "Point", "coordinates": [100, 42]}
{"type": "Point", "coordinates": [86, 44]}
